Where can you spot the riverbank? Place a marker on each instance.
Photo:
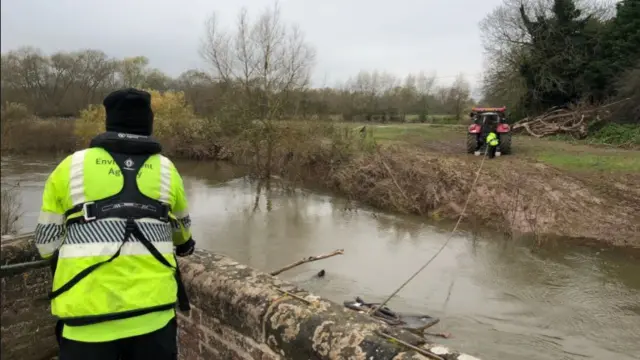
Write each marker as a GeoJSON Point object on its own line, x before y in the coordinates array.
{"type": "Point", "coordinates": [547, 189]}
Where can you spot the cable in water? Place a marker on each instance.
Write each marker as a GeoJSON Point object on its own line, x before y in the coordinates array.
{"type": "Point", "coordinates": [464, 208]}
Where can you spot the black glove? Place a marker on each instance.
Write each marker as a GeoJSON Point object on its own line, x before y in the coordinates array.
{"type": "Point", "coordinates": [187, 248]}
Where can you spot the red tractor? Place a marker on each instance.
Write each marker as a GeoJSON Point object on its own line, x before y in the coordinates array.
{"type": "Point", "coordinates": [484, 121]}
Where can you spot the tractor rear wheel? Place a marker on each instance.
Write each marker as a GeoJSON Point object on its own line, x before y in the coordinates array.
{"type": "Point", "coordinates": [472, 143]}
{"type": "Point", "coordinates": [505, 143]}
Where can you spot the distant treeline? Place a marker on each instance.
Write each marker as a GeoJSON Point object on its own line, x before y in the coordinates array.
{"type": "Point", "coordinates": [61, 84]}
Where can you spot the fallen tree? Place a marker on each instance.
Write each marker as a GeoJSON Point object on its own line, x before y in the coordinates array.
{"type": "Point", "coordinates": [573, 120]}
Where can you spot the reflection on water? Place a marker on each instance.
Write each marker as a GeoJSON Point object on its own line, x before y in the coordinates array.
{"type": "Point", "coordinates": [499, 299]}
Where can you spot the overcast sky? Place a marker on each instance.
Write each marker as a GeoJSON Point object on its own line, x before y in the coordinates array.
{"type": "Point", "coordinates": [399, 36]}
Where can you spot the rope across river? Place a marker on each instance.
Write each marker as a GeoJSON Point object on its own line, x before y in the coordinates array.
{"type": "Point", "coordinates": [455, 228]}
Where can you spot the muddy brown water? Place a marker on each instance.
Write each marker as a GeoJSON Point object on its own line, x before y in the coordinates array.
{"type": "Point", "coordinates": [499, 299]}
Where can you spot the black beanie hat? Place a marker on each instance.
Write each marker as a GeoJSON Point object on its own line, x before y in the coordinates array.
{"type": "Point", "coordinates": [129, 111]}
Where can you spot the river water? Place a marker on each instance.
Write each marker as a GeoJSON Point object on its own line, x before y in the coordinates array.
{"type": "Point", "coordinates": [499, 299]}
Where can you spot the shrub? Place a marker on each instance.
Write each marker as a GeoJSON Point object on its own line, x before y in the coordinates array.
{"type": "Point", "coordinates": [12, 111]}
{"type": "Point", "coordinates": [26, 134]}
{"type": "Point", "coordinates": [175, 125]}
{"type": "Point", "coordinates": [617, 134]}
{"type": "Point", "coordinates": [299, 150]}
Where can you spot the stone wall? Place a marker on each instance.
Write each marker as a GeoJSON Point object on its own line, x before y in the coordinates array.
{"type": "Point", "coordinates": [27, 331]}
{"type": "Point", "coordinates": [237, 313]}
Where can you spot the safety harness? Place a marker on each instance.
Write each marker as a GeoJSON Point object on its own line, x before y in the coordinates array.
{"type": "Point", "coordinates": [130, 204]}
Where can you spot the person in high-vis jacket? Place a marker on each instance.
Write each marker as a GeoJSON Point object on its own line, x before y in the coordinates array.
{"type": "Point", "coordinates": [111, 217]}
{"type": "Point", "coordinates": [492, 144]}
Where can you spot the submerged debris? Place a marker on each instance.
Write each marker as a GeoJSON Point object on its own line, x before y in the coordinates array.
{"type": "Point", "coordinates": [416, 323]}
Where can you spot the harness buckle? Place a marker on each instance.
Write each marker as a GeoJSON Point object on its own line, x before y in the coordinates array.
{"type": "Point", "coordinates": [130, 225]}
{"type": "Point", "coordinates": [85, 211]}
{"type": "Point", "coordinates": [165, 210]}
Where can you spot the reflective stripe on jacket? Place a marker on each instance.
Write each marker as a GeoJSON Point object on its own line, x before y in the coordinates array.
{"type": "Point", "coordinates": [135, 279]}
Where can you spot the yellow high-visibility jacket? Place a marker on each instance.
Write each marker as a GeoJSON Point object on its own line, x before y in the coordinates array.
{"type": "Point", "coordinates": [82, 230]}
{"type": "Point", "coordinates": [492, 139]}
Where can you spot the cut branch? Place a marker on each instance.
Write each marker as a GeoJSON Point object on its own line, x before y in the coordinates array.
{"type": "Point", "coordinates": [574, 121]}
{"type": "Point", "coordinates": [307, 260]}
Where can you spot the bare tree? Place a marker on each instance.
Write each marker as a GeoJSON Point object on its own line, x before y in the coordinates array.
{"type": "Point", "coordinates": [424, 87]}
{"type": "Point", "coordinates": [97, 71]}
{"type": "Point", "coordinates": [133, 71]}
{"type": "Point", "coordinates": [408, 94]}
{"type": "Point", "coordinates": [156, 79]}
{"type": "Point", "coordinates": [27, 70]}
{"type": "Point", "coordinates": [261, 63]}
{"type": "Point", "coordinates": [460, 96]}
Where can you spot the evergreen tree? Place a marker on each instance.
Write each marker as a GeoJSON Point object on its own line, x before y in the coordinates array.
{"type": "Point", "coordinates": [561, 48]}
{"type": "Point", "coordinates": [623, 37]}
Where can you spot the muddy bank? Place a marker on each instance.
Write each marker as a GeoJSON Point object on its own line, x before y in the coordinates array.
{"type": "Point", "coordinates": [512, 195]}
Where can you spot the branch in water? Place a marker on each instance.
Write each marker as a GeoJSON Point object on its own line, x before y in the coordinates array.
{"type": "Point", "coordinates": [307, 260]}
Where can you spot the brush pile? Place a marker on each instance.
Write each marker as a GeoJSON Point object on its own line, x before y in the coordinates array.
{"type": "Point", "coordinates": [575, 120]}
{"type": "Point", "coordinates": [405, 180]}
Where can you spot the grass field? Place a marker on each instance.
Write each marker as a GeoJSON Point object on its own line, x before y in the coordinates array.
{"type": "Point", "coordinates": [409, 132]}
{"type": "Point", "coordinates": [573, 157]}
